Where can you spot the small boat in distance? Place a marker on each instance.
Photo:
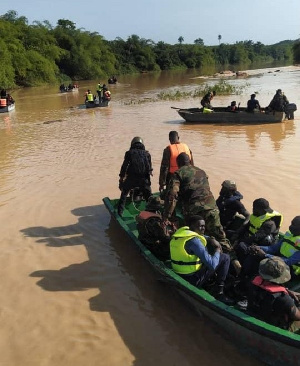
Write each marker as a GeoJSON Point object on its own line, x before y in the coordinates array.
{"type": "Point", "coordinates": [69, 88]}
{"type": "Point", "coordinates": [112, 80]}
{"type": "Point", "coordinates": [96, 103]}
{"type": "Point", "coordinates": [223, 115]}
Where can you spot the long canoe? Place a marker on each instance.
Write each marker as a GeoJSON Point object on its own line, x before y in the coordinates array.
{"type": "Point", "coordinates": [7, 108]}
{"type": "Point", "coordinates": [271, 345]}
{"type": "Point", "coordinates": [222, 115]}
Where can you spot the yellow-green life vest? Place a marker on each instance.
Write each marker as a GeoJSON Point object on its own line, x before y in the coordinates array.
{"type": "Point", "coordinates": [182, 262]}
{"type": "Point", "coordinates": [290, 244]}
{"type": "Point", "coordinates": [257, 221]}
{"type": "Point", "coordinates": [90, 97]}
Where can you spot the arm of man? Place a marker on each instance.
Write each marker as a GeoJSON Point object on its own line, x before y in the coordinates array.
{"type": "Point", "coordinates": [164, 167]}
{"type": "Point", "coordinates": [286, 305]}
{"type": "Point", "coordinates": [272, 249]}
{"type": "Point", "coordinates": [171, 197]}
{"type": "Point", "coordinates": [194, 246]}
{"type": "Point", "coordinates": [192, 159]}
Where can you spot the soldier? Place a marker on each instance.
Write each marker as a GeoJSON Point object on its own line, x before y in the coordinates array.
{"type": "Point", "coordinates": [168, 164]}
{"type": "Point", "coordinates": [279, 102]}
{"type": "Point", "coordinates": [190, 185]}
{"type": "Point", "coordinates": [206, 100]}
{"type": "Point", "coordinates": [135, 172]}
{"type": "Point", "coordinates": [233, 213]}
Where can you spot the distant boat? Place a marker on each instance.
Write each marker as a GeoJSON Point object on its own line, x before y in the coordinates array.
{"type": "Point", "coordinates": [96, 103]}
{"type": "Point", "coordinates": [112, 80]}
{"type": "Point", "coordinates": [68, 89]}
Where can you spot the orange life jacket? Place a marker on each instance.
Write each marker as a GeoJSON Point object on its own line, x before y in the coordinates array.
{"type": "Point", "coordinates": [175, 150]}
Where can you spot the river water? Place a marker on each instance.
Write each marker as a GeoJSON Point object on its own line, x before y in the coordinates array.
{"type": "Point", "coordinates": [74, 291]}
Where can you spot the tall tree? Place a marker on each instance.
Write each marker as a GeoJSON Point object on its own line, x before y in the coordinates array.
{"type": "Point", "coordinates": [180, 39]}
{"type": "Point", "coordinates": [199, 41]}
{"type": "Point", "coordinates": [219, 38]}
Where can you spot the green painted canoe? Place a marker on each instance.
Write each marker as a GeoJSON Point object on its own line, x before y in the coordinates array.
{"type": "Point", "coordinates": [272, 345]}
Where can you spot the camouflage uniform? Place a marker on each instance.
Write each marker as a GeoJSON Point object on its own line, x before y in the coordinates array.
{"type": "Point", "coordinates": [190, 185]}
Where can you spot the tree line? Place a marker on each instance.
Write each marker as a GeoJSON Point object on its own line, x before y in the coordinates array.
{"type": "Point", "coordinates": [38, 53]}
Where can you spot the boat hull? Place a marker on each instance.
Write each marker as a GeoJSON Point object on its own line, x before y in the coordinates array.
{"type": "Point", "coordinates": [96, 104]}
{"type": "Point", "coordinates": [270, 344]}
{"type": "Point", "coordinates": [8, 108]}
{"type": "Point", "coordinates": [221, 115]}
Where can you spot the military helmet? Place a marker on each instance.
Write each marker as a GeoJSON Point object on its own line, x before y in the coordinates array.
{"type": "Point", "coordinates": [136, 140]}
{"type": "Point", "coordinates": [229, 184]}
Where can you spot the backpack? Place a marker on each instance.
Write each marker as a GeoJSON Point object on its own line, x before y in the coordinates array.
{"type": "Point", "coordinates": [139, 162]}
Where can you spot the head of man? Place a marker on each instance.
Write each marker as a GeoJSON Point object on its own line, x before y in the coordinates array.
{"type": "Point", "coordinates": [261, 206]}
{"type": "Point", "coordinates": [274, 270]}
{"type": "Point", "coordinates": [295, 226]}
{"type": "Point", "coordinates": [196, 223]}
{"type": "Point", "coordinates": [228, 188]}
{"type": "Point", "coordinates": [252, 96]}
{"type": "Point", "coordinates": [136, 142]}
{"type": "Point", "coordinates": [173, 137]}
{"type": "Point", "coordinates": [183, 159]}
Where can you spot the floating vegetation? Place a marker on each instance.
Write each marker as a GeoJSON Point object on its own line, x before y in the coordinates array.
{"type": "Point", "coordinates": [221, 88]}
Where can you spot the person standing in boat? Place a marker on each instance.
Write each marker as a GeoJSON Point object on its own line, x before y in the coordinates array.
{"type": "Point", "coordinates": [135, 172]}
{"type": "Point", "coordinates": [206, 100]}
{"type": "Point", "coordinates": [270, 300]}
{"type": "Point", "coordinates": [169, 164]}
{"type": "Point", "coordinates": [99, 91]}
{"type": "Point", "coordinates": [191, 259]}
{"type": "Point", "coordinates": [253, 104]}
{"type": "Point", "coordinates": [233, 214]}
{"type": "Point", "coordinates": [279, 102]}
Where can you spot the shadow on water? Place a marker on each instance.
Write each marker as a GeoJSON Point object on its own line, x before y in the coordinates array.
{"type": "Point", "coordinates": [150, 318]}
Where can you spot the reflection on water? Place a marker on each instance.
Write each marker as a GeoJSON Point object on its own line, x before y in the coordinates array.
{"type": "Point", "coordinates": [72, 266]}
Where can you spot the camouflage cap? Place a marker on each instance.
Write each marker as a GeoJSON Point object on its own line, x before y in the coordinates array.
{"type": "Point", "coordinates": [274, 270]}
{"type": "Point", "coordinates": [229, 184]}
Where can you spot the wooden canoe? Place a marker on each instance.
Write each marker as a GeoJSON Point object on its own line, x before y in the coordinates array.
{"type": "Point", "coordinates": [222, 115]}
{"type": "Point", "coordinates": [96, 104]}
{"type": "Point", "coordinates": [271, 345]}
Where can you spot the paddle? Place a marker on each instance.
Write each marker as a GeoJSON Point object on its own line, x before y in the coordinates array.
{"type": "Point", "coordinates": [175, 108]}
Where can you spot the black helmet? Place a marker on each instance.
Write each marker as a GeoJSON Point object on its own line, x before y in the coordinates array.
{"type": "Point", "coordinates": [136, 140]}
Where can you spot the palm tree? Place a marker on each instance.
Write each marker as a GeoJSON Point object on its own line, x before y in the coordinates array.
{"type": "Point", "coordinates": [180, 39]}
{"type": "Point", "coordinates": [219, 38]}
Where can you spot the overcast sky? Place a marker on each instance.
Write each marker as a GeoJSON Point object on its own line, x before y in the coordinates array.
{"type": "Point", "coordinates": [265, 21]}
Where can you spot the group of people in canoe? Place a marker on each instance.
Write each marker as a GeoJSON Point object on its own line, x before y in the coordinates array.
{"type": "Point", "coordinates": [103, 94]}
{"type": "Point", "coordinates": [239, 257]}
{"type": "Point", "coordinates": [279, 103]}
{"type": "Point", "coordinates": [5, 99]}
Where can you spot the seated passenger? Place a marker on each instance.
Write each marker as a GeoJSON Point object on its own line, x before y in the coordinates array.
{"type": "Point", "coordinates": [233, 107]}
{"type": "Point", "coordinates": [269, 300]}
{"type": "Point", "coordinates": [288, 248]}
{"type": "Point", "coordinates": [262, 228]}
{"type": "Point", "coordinates": [190, 257]}
{"type": "Point", "coordinates": [233, 214]}
{"type": "Point", "coordinates": [152, 232]}
{"type": "Point", "coordinates": [253, 104]}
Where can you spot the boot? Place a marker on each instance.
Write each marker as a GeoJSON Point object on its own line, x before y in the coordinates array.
{"type": "Point", "coordinates": [218, 293]}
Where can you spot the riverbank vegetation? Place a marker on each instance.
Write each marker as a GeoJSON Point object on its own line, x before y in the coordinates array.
{"type": "Point", "coordinates": [39, 53]}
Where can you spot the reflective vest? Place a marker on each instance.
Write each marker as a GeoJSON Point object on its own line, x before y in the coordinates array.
{"type": "Point", "coordinates": [175, 150]}
{"type": "Point", "coordinates": [257, 221]}
{"type": "Point", "coordinates": [182, 262]}
{"type": "Point", "coordinates": [90, 97]}
{"type": "Point", "coordinates": [290, 244]}
{"type": "Point", "coordinates": [99, 87]}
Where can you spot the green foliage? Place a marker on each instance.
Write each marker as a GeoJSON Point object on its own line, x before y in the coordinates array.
{"type": "Point", "coordinates": [296, 51]}
{"type": "Point", "coordinates": [38, 53]}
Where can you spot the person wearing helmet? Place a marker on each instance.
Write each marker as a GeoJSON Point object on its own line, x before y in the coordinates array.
{"type": "Point", "coordinates": [135, 172]}
{"type": "Point", "coordinates": [168, 163]}
{"type": "Point", "coordinates": [233, 213]}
